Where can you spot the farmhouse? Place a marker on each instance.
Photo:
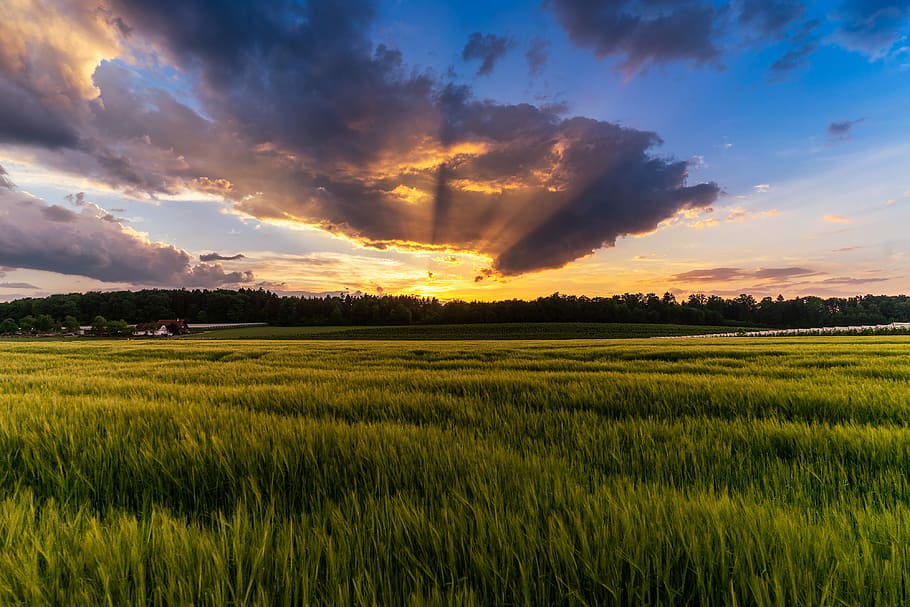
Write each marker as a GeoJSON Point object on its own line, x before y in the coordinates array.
{"type": "Point", "coordinates": [162, 328]}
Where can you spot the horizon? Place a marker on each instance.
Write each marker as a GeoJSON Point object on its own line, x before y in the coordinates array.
{"type": "Point", "coordinates": [676, 299]}
{"type": "Point", "coordinates": [427, 149]}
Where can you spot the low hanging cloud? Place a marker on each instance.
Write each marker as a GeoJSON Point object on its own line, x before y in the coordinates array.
{"type": "Point", "coordinates": [37, 236]}
{"type": "Point", "coordinates": [849, 280]}
{"type": "Point", "coordinates": [727, 274]}
{"type": "Point", "coordinates": [17, 285]}
{"type": "Point", "coordinates": [305, 120]}
{"type": "Point", "coordinates": [487, 49]}
{"type": "Point", "coordinates": [207, 257]}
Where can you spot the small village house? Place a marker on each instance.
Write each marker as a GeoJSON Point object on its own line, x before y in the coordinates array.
{"type": "Point", "coordinates": [161, 328]}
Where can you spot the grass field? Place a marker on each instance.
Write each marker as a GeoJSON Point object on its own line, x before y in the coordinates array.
{"type": "Point", "coordinates": [489, 331]}
{"type": "Point", "coordinates": [713, 472]}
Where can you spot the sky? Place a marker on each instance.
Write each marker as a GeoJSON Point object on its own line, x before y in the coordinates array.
{"type": "Point", "coordinates": [468, 150]}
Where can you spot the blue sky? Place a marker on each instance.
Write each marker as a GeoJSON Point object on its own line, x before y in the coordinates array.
{"type": "Point", "coordinates": [472, 150]}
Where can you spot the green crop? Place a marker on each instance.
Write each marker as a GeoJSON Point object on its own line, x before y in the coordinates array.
{"type": "Point", "coordinates": [485, 331]}
{"type": "Point", "coordinates": [768, 471]}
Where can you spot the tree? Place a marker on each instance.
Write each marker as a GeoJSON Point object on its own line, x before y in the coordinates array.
{"type": "Point", "coordinates": [400, 315]}
{"type": "Point", "coordinates": [44, 323]}
{"type": "Point", "coordinates": [70, 324]}
{"type": "Point", "coordinates": [9, 326]}
{"type": "Point", "coordinates": [118, 328]}
{"type": "Point", "coordinates": [99, 325]}
{"type": "Point", "coordinates": [27, 323]}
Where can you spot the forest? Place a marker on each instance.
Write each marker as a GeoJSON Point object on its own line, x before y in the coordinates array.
{"type": "Point", "coordinates": [258, 305]}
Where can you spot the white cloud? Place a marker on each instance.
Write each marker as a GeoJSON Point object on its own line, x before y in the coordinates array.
{"type": "Point", "coordinates": [92, 243]}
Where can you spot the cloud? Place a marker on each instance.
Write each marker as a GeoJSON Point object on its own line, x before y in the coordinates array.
{"type": "Point", "coordinates": [711, 275]}
{"type": "Point", "coordinates": [769, 17]}
{"type": "Point", "coordinates": [739, 214]}
{"type": "Point", "coordinates": [536, 55]}
{"type": "Point", "coordinates": [846, 280]}
{"type": "Point", "coordinates": [762, 188]}
{"type": "Point", "coordinates": [648, 32]}
{"type": "Point", "coordinates": [802, 45]}
{"type": "Point", "coordinates": [487, 49]}
{"type": "Point", "coordinates": [218, 257]}
{"type": "Point", "coordinates": [25, 119]}
{"type": "Point", "coordinates": [17, 285]}
{"type": "Point", "coordinates": [77, 199]}
{"type": "Point", "coordinates": [727, 274]}
{"type": "Point", "coordinates": [299, 117]}
{"type": "Point", "coordinates": [642, 33]}
{"type": "Point", "coordinates": [47, 55]}
{"type": "Point", "coordinates": [840, 131]}
{"type": "Point", "coordinates": [5, 183]}
{"type": "Point", "coordinates": [46, 237]}
{"type": "Point", "coordinates": [872, 26]}
{"type": "Point", "coordinates": [793, 59]}
{"type": "Point", "coordinates": [836, 219]}
{"type": "Point", "coordinates": [781, 273]}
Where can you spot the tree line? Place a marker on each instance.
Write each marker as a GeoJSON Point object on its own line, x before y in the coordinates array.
{"type": "Point", "coordinates": [258, 305]}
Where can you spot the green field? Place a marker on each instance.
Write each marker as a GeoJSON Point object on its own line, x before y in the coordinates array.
{"type": "Point", "coordinates": [486, 331]}
{"type": "Point", "coordinates": [771, 471]}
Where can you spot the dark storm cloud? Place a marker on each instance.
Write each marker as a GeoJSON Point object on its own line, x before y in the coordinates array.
{"type": "Point", "coordinates": [589, 202]}
{"type": "Point", "coordinates": [642, 32]}
{"type": "Point", "coordinates": [305, 120]}
{"type": "Point", "coordinates": [289, 74]}
{"type": "Point", "coordinates": [38, 236]}
{"type": "Point", "coordinates": [25, 119]}
{"type": "Point", "coordinates": [354, 117]}
{"type": "Point", "coordinates": [840, 131]}
{"type": "Point", "coordinates": [218, 257]}
{"type": "Point", "coordinates": [487, 49]}
{"type": "Point", "coordinates": [536, 55]}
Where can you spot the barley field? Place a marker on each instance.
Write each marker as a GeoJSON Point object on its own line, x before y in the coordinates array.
{"type": "Point", "coordinates": [479, 331]}
{"type": "Point", "coordinates": [768, 471]}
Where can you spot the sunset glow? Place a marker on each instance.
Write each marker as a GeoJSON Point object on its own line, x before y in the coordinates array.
{"type": "Point", "coordinates": [434, 149]}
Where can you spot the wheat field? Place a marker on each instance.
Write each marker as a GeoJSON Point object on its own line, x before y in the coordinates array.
{"type": "Point", "coordinates": [767, 471]}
